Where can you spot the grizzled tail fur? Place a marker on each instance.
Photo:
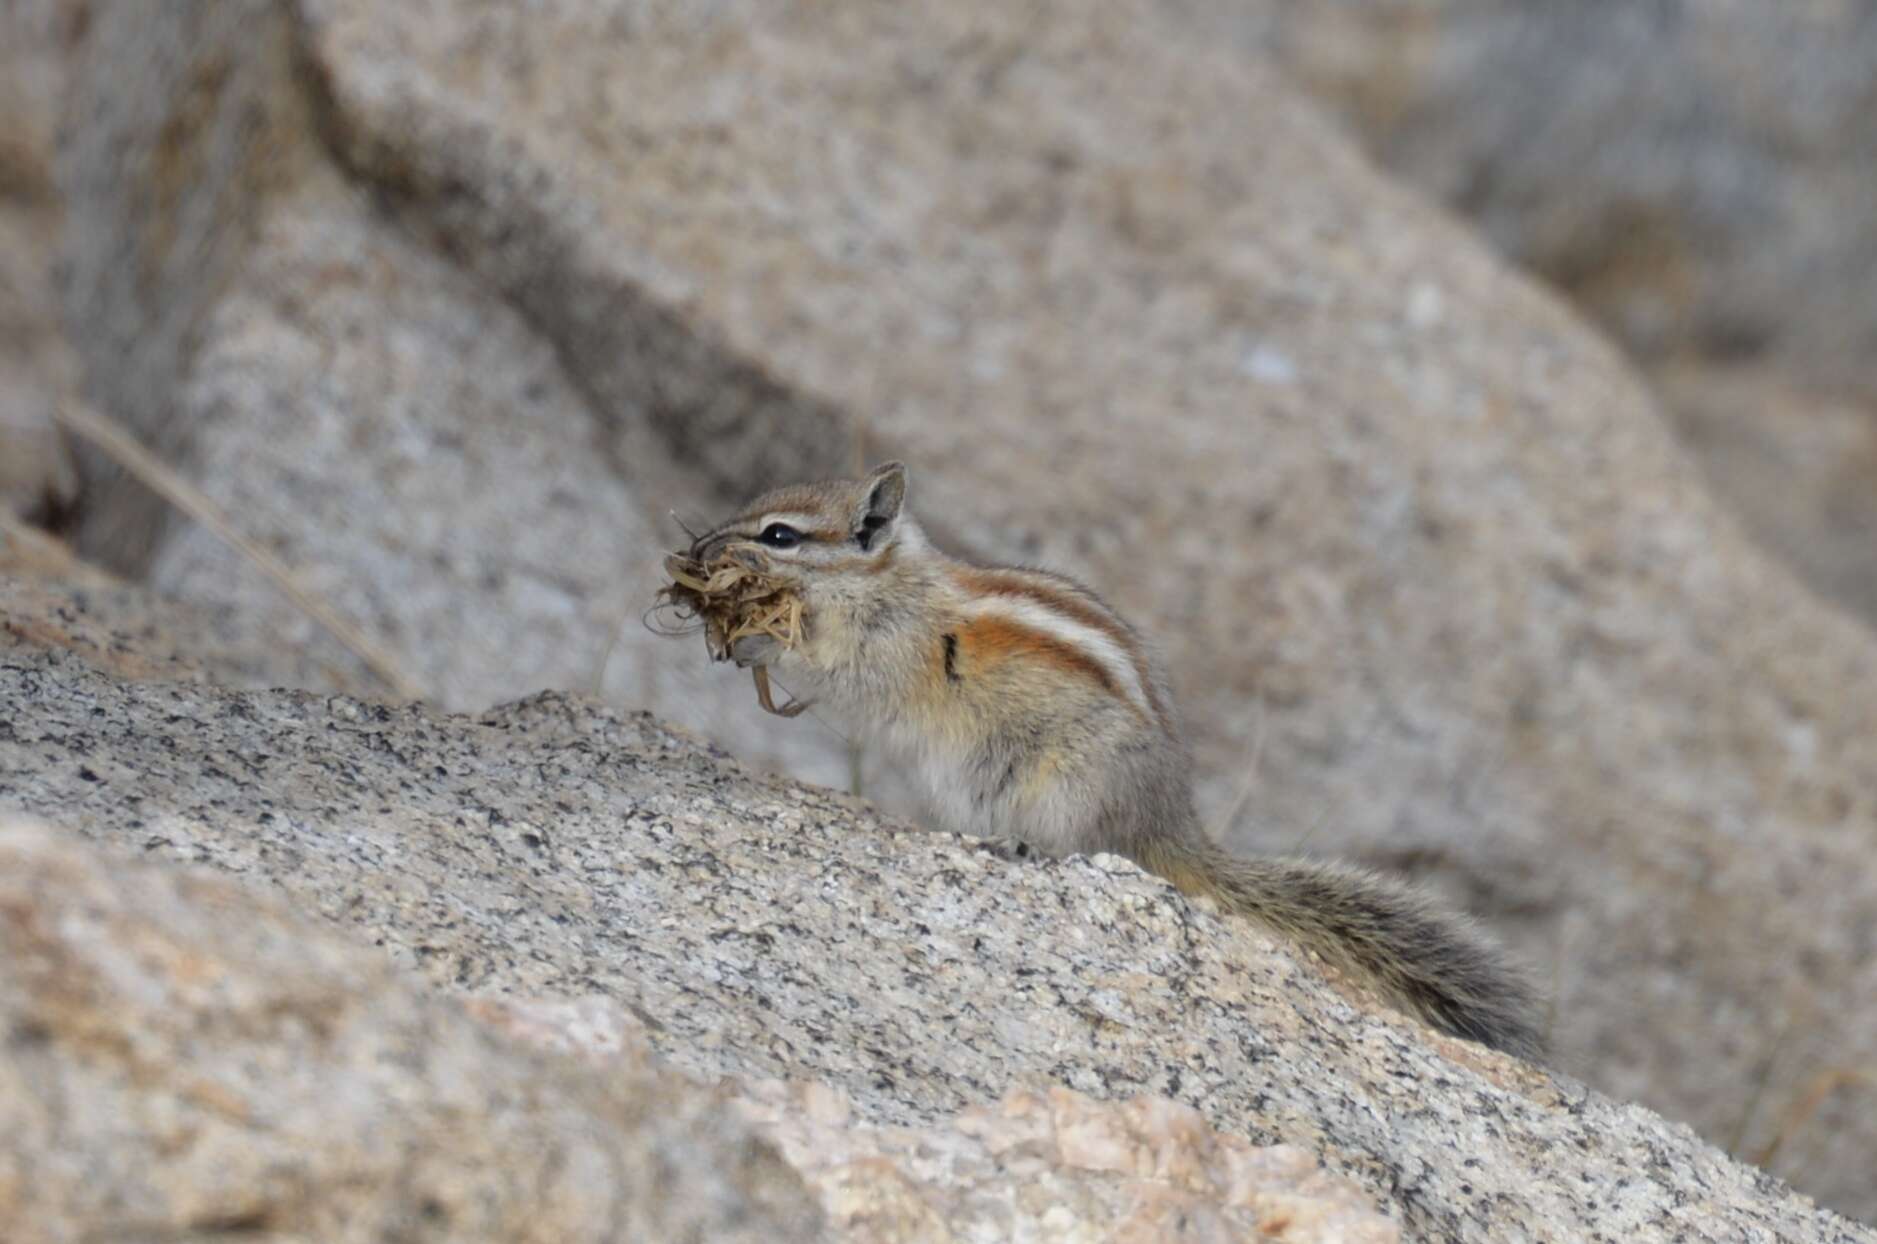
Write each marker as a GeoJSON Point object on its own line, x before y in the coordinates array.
{"type": "Point", "coordinates": [1428, 960]}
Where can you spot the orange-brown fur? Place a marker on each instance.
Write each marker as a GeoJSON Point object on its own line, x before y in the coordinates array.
{"type": "Point", "coordinates": [989, 642]}
{"type": "Point", "coordinates": [1071, 604]}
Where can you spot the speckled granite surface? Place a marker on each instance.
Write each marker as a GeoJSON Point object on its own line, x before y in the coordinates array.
{"type": "Point", "coordinates": [766, 929]}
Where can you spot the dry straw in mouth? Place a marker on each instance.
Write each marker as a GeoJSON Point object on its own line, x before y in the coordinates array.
{"type": "Point", "coordinates": [733, 601]}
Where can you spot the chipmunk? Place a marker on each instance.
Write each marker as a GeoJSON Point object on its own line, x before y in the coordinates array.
{"type": "Point", "coordinates": [1034, 714]}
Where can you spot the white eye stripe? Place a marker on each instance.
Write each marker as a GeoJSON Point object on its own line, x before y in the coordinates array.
{"type": "Point", "coordinates": [1102, 648]}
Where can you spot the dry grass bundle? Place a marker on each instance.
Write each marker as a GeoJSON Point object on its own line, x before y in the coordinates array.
{"type": "Point", "coordinates": [729, 600]}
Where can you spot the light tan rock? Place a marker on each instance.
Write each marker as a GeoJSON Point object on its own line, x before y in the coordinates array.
{"type": "Point", "coordinates": [124, 630]}
{"type": "Point", "coordinates": [1701, 178]}
{"type": "Point", "coordinates": [27, 551]}
{"type": "Point", "coordinates": [51, 598]}
{"type": "Point", "coordinates": [356, 403]}
{"type": "Point", "coordinates": [1800, 466]}
{"type": "Point", "coordinates": [185, 1061]}
{"type": "Point", "coordinates": [37, 367]}
{"type": "Point", "coordinates": [1058, 1166]}
{"type": "Point", "coordinates": [1707, 200]}
{"type": "Point", "coordinates": [763, 930]}
{"type": "Point", "coordinates": [1437, 586]}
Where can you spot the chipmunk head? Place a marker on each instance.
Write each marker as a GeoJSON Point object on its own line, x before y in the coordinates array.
{"type": "Point", "coordinates": [810, 533]}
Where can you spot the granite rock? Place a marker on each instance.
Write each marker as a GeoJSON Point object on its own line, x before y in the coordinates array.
{"type": "Point", "coordinates": [1437, 586]}
{"type": "Point", "coordinates": [1798, 462]}
{"type": "Point", "coordinates": [354, 399]}
{"type": "Point", "coordinates": [766, 930]}
{"type": "Point", "coordinates": [38, 369]}
{"type": "Point", "coordinates": [1059, 1166]}
{"type": "Point", "coordinates": [52, 598]}
{"type": "Point", "coordinates": [1700, 176]}
{"type": "Point", "coordinates": [184, 1060]}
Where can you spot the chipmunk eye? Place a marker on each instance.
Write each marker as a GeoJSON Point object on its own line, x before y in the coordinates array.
{"type": "Point", "coordinates": [780, 536]}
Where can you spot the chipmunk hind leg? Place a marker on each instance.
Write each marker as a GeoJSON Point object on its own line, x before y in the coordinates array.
{"type": "Point", "coordinates": [1430, 961]}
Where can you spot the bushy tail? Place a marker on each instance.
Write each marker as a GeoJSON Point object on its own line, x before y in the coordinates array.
{"type": "Point", "coordinates": [1430, 961]}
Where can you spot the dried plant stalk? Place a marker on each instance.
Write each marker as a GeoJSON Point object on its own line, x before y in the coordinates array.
{"type": "Point", "coordinates": [794, 708]}
{"type": "Point", "coordinates": [155, 475]}
{"type": "Point", "coordinates": [731, 601]}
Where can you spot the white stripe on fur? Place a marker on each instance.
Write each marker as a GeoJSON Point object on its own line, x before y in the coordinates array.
{"type": "Point", "coordinates": [1102, 649]}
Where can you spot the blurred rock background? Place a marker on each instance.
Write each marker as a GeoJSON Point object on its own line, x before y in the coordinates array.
{"type": "Point", "coordinates": [451, 305]}
{"type": "Point", "coordinates": [1699, 179]}
{"type": "Point", "coordinates": [37, 369]}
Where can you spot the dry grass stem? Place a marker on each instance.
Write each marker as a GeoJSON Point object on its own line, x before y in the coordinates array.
{"type": "Point", "coordinates": [794, 708]}
{"type": "Point", "coordinates": [144, 466]}
{"type": "Point", "coordinates": [1808, 1104]}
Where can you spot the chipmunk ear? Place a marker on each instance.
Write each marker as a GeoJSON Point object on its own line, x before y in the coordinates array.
{"type": "Point", "coordinates": [885, 491]}
{"type": "Point", "coordinates": [882, 494]}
